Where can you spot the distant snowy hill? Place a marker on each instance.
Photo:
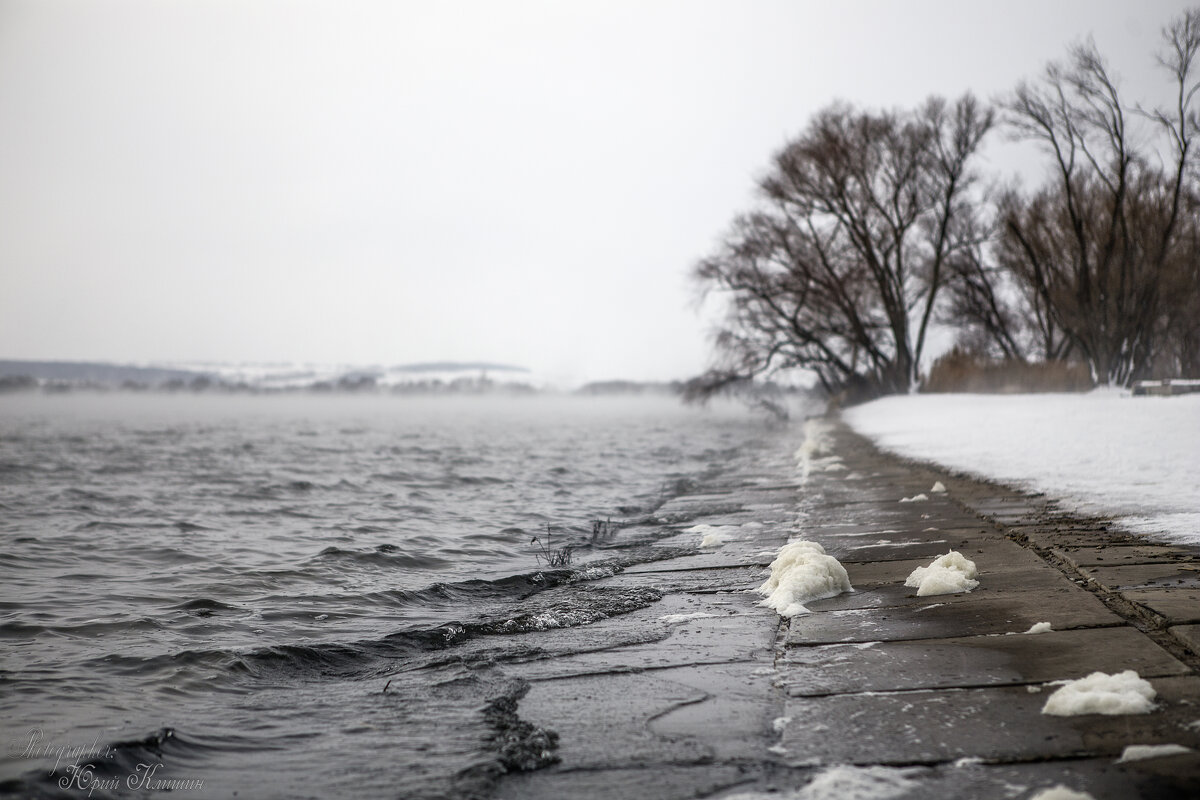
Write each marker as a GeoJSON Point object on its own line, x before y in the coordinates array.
{"type": "Point", "coordinates": [431, 376]}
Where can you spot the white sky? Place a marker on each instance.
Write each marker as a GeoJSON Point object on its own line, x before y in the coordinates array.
{"type": "Point", "coordinates": [388, 182]}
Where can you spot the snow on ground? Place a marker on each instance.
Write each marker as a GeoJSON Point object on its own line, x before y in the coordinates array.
{"type": "Point", "coordinates": [1105, 452]}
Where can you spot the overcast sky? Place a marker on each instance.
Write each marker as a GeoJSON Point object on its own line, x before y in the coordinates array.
{"type": "Point", "coordinates": [388, 182]}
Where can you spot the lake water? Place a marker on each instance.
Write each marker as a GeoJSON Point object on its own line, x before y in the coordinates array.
{"type": "Point", "coordinates": [226, 586]}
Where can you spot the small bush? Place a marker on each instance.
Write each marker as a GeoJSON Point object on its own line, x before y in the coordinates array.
{"type": "Point", "coordinates": [962, 371]}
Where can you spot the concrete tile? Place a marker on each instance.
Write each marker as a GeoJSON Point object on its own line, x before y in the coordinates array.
{"type": "Point", "coordinates": [973, 661]}
{"type": "Point", "coordinates": [662, 782]}
{"type": "Point", "coordinates": [994, 724]}
{"type": "Point", "coordinates": [1152, 576]}
{"type": "Point", "coordinates": [1110, 556]}
{"type": "Point", "coordinates": [737, 629]}
{"type": "Point", "coordinates": [974, 613]}
{"type": "Point", "coordinates": [1175, 606]}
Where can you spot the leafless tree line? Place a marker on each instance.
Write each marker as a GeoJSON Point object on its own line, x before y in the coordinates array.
{"type": "Point", "coordinates": [874, 225]}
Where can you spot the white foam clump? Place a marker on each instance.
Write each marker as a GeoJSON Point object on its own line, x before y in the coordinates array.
{"type": "Point", "coordinates": [858, 783]}
{"type": "Point", "coordinates": [948, 574]}
{"type": "Point", "coordinates": [842, 782]}
{"type": "Point", "coordinates": [801, 572]}
{"type": "Point", "coordinates": [817, 443]}
{"type": "Point", "coordinates": [712, 535]}
{"type": "Point", "coordinates": [816, 439]}
{"type": "Point", "coordinates": [1142, 752]}
{"type": "Point", "coordinates": [1061, 792]}
{"type": "Point", "coordinates": [1040, 627]}
{"type": "Point", "coordinates": [938, 488]}
{"type": "Point", "coordinates": [1101, 693]}
{"type": "Point", "coordinates": [916, 498]}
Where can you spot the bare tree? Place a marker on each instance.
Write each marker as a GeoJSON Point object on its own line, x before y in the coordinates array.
{"type": "Point", "coordinates": [1095, 248]}
{"type": "Point", "coordinates": [862, 219]}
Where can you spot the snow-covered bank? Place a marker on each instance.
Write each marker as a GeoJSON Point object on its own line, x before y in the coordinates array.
{"type": "Point", "coordinates": [1104, 452]}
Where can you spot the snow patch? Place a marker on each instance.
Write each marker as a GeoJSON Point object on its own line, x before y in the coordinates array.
{"type": "Point", "coordinates": [1101, 693]}
{"type": "Point", "coordinates": [1150, 448]}
{"type": "Point", "coordinates": [1040, 627]}
{"type": "Point", "coordinates": [916, 498]}
{"type": "Point", "coordinates": [1142, 752]}
{"type": "Point", "coordinates": [948, 574]}
{"type": "Point", "coordinates": [802, 572]}
{"type": "Point", "coordinates": [938, 488]}
{"type": "Point", "coordinates": [779, 723]}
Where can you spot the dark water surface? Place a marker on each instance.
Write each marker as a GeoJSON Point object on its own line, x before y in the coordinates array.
{"type": "Point", "coordinates": [224, 585]}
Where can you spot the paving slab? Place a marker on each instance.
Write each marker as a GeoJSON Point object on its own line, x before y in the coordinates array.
{"type": "Point", "coordinates": [892, 593]}
{"type": "Point", "coordinates": [1104, 778]}
{"type": "Point", "coordinates": [1174, 606]}
{"type": "Point", "coordinates": [1136, 576]}
{"type": "Point", "coordinates": [998, 569]}
{"type": "Point", "coordinates": [914, 727]}
{"type": "Point", "coordinates": [603, 720]}
{"type": "Point", "coordinates": [973, 661]}
{"type": "Point", "coordinates": [718, 579]}
{"type": "Point", "coordinates": [695, 629]}
{"type": "Point", "coordinates": [998, 613]}
{"type": "Point", "coordinates": [663, 782]}
{"type": "Point", "coordinates": [1189, 635]}
{"type": "Point", "coordinates": [1081, 535]}
{"type": "Point", "coordinates": [1110, 556]}
{"type": "Point", "coordinates": [740, 695]}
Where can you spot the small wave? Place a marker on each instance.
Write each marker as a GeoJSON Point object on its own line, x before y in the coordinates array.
{"type": "Point", "coordinates": [453, 480]}
{"type": "Point", "coordinates": [584, 608]}
{"type": "Point", "coordinates": [396, 477]}
{"type": "Point", "coordinates": [204, 607]}
{"type": "Point", "coordinates": [385, 555]}
{"type": "Point", "coordinates": [109, 525]}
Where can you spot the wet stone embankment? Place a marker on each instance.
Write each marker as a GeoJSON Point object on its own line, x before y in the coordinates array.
{"type": "Point", "coordinates": [935, 696]}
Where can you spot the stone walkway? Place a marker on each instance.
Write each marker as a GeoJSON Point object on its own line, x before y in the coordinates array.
{"type": "Point", "coordinates": [932, 696]}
